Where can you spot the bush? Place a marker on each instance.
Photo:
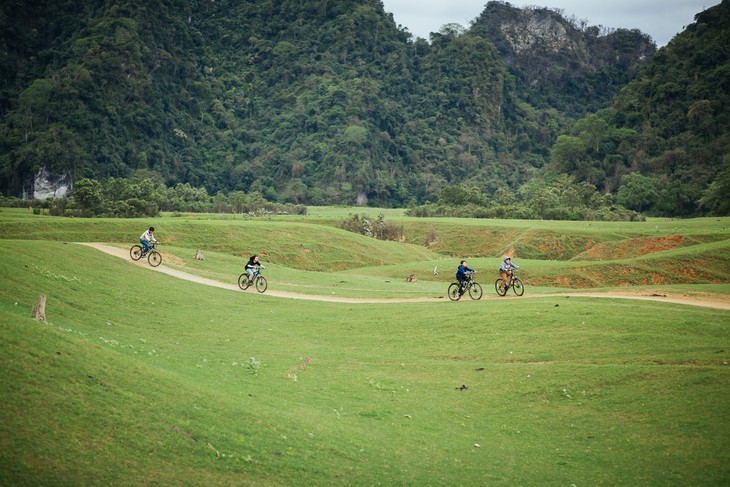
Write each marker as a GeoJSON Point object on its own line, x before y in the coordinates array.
{"type": "Point", "coordinates": [379, 229]}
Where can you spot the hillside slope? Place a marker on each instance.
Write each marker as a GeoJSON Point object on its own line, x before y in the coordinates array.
{"type": "Point", "coordinates": [140, 378]}
{"type": "Point", "coordinates": [304, 101]}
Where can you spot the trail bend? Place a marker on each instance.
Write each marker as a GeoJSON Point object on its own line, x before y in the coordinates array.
{"type": "Point", "coordinates": [718, 302]}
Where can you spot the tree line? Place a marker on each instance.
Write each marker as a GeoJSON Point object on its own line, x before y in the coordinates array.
{"type": "Point", "coordinates": [134, 198]}
{"type": "Point", "coordinates": [555, 198]}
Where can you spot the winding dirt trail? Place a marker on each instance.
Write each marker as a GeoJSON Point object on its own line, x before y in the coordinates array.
{"type": "Point", "coordinates": [708, 301]}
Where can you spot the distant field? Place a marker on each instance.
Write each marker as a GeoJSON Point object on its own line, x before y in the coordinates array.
{"type": "Point", "coordinates": [138, 377]}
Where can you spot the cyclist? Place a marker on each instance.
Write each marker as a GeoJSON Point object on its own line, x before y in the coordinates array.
{"type": "Point", "coordinates": [505, 270]}
{"type": "Point", "coordinates": [252, 266]}
{"type": "Point", "coordinates": [146, 238]}
{"type": "Point", "coordinates": [461, 274]}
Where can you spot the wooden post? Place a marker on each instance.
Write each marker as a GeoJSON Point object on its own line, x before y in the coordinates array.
{"type": "Point", "coordinates": [199, 255]}
{"type": "Point", "coordinates": [39, 310]}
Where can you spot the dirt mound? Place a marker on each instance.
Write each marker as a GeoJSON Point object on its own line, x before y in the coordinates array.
{"type": "Point", "coordinates": [626, 249]}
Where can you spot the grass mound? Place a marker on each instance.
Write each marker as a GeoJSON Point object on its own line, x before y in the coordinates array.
{"type": "Point", "coordinates": [636, 247]}
{"type": "Point", "coordinates": [138, 377]}
{"type": "Point", "coordinates": [295, 245]}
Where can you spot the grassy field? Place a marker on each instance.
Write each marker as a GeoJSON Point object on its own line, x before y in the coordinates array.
{"type": "Point", "coordinates": [137, 377]}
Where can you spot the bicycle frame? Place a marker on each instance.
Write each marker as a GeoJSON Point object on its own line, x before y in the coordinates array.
{"type": "Point", "coordinates": [466, 283]}
{"type": "Point", "coordinates": [510, 284]}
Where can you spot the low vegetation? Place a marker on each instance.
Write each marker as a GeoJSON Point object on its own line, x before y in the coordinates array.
{"type": "Point", "coordinates": [557, 198]}
{"type": "Point", "coordinates": [147, 197]}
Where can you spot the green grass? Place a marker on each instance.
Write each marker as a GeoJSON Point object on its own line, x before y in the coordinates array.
{"type": "Point", "coordinates": [299, 245]}
{"type": "Point", "coordinates": [303, 251]}
{"type": "Point", "coordinates": [138, 377]}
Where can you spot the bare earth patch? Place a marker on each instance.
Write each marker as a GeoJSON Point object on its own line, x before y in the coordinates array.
{"type": "Point", "coordinates": [633, 247]}
{"type": "Point", "coordinates": [708, 300]}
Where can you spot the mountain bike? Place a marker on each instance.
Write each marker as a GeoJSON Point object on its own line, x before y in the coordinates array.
{"type": "Point", "coordinates": [244, 281]}
{"type": "Point", "coordinates": [514, 282]}
{"type": "Point", "coordinates": [456, 291]}
{"type": "Point", "coordinates": [153, 256]}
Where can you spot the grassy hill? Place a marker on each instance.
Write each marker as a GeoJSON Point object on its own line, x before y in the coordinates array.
{"type": "Point", "coordinates": [304, 251]}
{"type": "Point", "coordinates": [138, 377]}
{"type": "Point", "coordinates": [179, 384]}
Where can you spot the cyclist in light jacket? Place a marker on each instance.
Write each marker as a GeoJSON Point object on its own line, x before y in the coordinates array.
{"type": "Point", "coordinates": [505, 270]}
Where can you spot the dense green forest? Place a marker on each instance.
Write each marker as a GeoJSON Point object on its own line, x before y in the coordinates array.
{"type": "Point", "coordinates": [663, 144]}
{"type": "Point", "coordinates": [329, 102]}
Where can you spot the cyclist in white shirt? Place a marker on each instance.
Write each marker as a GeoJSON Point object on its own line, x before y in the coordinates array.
{"type": "Point", "coordinates": [147, 238]}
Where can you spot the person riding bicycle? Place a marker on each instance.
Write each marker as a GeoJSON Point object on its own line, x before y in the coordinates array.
{"type": "Point", "coordinates": [146, 238]}
{"type": "Point", "coordinates": [461, 274]}
{"type": "Point", "coordinates": [252, 266]}
{"type": "Point", "coordinates": [505, 270]}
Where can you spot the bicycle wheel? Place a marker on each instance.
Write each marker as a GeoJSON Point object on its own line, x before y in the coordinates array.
{"type": "Point", "coordinates": [155, 258]}
{"type": "Point", "coordinates": [518, 287]}
{"type": "Point", "coordinates": [136, 252]}
{"type": "Point", "coordinates": [454, 294]}
{"type": "Point", "coordinates": [475, 291]}
{"type": "Point", "coordinates": [498, 287]}
{"type": "Point", "coordinates": [243, 281]}
{"type": "Point", "coordinates": [261, 284]}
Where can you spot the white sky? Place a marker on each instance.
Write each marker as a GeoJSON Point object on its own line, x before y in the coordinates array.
{"type": "Point", "coordinates": [661, 19]}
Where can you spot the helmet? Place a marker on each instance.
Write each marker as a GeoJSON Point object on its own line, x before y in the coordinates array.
{"type": "Point", "coordinates": [506, 258]}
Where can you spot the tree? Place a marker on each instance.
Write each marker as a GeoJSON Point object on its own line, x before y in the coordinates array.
{"type": "Point", "coordinates": [637, 192]}
{"type": "Point", "coordinates": [716, 198]}
{"type": "Point", "coordinates": [592, 130]}
{"type": "Point", "coordinates": [452, 29]}
{"type": "Point", "coordinates": [504, 196]}
{"type": "Point", "coordinates": [568, 153]}
{"type": "Point", "coordinates": [88, 195]}
{"type": "Point", "coordinates": [546, 203]}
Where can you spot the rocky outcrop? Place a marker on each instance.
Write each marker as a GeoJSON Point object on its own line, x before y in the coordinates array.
{"type": "Point", "coordinates": [47, 186]}
{"type": "Point", "coordinates": [538, 29]}
{"type": "Point", "coordinates": [563, 63]}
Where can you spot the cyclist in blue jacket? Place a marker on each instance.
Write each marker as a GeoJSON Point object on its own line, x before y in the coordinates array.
{"type": "Point", "coordinates": [461, 274]}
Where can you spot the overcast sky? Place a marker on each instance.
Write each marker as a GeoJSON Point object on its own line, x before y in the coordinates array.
{"type": "Point", "coordinates": [661, 19]}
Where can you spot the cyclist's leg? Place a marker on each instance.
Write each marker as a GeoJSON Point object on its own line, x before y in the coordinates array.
{"type": "Point", "coordinates": [503, 275]}
{"type": "Point", "coordinates": [146, 245]}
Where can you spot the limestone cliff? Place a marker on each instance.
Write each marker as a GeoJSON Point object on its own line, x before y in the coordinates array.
{"type": "Point", "coordinates": [560, 62]}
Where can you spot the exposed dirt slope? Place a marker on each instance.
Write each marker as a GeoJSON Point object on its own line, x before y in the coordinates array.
{"type": "Point", "coordinates": [711, 301]}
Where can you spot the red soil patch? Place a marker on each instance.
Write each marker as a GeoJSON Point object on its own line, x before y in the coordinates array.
{"type": "Point", "coordinates": [632, 248]}
{"type": "Point", "coordinates": [566, 282]}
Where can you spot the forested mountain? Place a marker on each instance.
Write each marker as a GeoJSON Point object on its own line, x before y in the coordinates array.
{"type": "Point", "coordinates": [664, 142]}
{"type": "Point", "coordinates": [562, 63]}
{"type": "Point", "coordinates": [311, 101]}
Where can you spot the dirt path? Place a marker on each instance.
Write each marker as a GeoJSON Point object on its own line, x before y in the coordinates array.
{"type": "Point", "coordinates": [709, 301]}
